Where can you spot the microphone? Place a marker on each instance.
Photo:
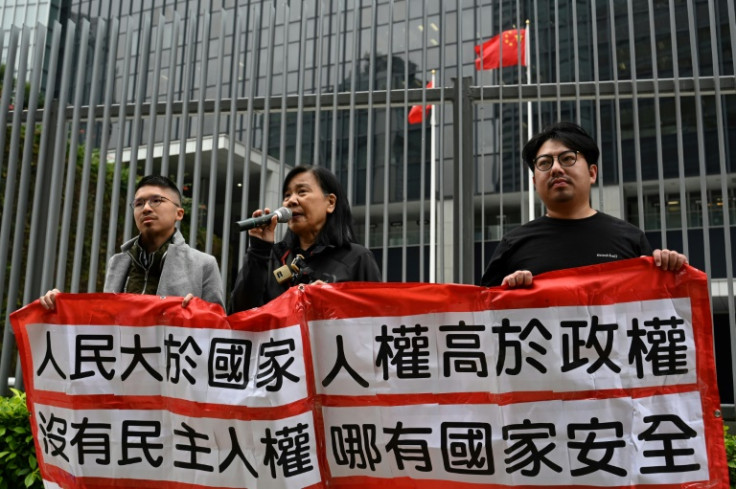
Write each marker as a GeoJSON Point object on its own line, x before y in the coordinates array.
{"type": "Point", "coordinates": [283, 214]}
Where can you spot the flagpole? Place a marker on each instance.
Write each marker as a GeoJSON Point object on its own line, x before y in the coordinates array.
{"type": "Point", "coordinates": [530, 132]}
{"type": "Point", "coordinates": [432, 196]}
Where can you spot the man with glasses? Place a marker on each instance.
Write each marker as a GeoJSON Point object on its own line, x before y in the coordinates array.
{"type": "Point", "coordinates": [563, 158]}
{"type": "Point", "coordinates": [159, 261]}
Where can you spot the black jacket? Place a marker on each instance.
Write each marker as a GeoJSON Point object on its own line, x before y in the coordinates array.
{"type": "Point", "coordinates": [256, 284]}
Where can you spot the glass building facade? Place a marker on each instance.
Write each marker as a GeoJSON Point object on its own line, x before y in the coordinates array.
{"type": "Point", "coordinates": [318, 48]}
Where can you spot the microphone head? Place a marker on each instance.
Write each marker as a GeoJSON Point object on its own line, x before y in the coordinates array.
{"type": "Point", "coordinates": [283, 213]}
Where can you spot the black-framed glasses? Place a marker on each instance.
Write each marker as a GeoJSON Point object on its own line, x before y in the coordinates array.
{"type": "Point", "coordinates": [153, 202]}
{"type": "Point", "coordinates": [566, 158]}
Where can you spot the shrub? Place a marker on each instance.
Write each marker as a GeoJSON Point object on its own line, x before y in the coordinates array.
{"type": "Point", "coordinates": [730, 441]}
{"type": "Point", "coordinates": [18, 464]}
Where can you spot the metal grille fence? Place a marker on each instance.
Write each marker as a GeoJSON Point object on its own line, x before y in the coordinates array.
{"type": "Point", "coordinates": [225, 102]}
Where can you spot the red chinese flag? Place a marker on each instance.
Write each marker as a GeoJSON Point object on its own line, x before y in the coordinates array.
{"type": "Point", "coordinates": [513, 40]}
{"type": "Point", "coordinates": [416, 113]}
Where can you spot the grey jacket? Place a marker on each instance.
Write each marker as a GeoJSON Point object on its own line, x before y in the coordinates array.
{"type": "Point", "coordinates": [185, 271]}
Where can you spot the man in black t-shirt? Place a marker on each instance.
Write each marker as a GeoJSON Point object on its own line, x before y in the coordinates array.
{"type": "Point", "coordinates": [564, 160]}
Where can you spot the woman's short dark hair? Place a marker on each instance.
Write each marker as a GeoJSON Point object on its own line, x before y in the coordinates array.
{"type": "Point", "coordinates": [338, 228]}
{"type": "Point", "coordinates": [569, 134]}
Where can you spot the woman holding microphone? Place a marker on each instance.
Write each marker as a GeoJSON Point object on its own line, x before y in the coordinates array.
{"type": "Point", "coordinates": [319, 246]}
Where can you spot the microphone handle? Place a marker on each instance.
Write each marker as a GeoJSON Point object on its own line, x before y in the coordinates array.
{"type": "Point", "coordinates": [254, 222]}
{"type": "Point", "coordinates": [262, 220]}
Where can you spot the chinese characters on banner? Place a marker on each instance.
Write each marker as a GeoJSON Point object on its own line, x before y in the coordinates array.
{"type": "Point", "coordinates": [601, 376]}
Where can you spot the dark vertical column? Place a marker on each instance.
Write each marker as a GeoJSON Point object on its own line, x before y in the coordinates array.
{"type": "Point", "coordinates": [463, 172]}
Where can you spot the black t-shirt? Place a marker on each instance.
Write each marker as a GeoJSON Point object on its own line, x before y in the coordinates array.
{"type": "Point", "coordinates": [547, 244]}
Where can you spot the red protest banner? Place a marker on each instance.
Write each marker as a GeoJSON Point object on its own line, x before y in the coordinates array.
{"type": "Point", "coordinates": [601, 376]}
